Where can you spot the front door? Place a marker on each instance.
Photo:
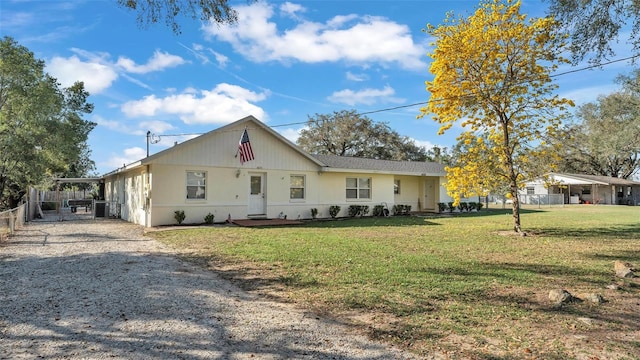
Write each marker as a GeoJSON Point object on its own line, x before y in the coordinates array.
{"type": "Point", "coordinates": [429, 194]}
{"type": "Point", "coordinates": [256, 195]}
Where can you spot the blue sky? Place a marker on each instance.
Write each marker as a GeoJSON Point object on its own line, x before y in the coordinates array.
{"type": "Point", "coordinates": [283, 62]}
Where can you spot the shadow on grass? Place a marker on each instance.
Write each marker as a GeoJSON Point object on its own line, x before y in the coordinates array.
{"type": "Point", "coordinates": [368, 222]}
{"type": "Point", "coordinates": [627, 231]}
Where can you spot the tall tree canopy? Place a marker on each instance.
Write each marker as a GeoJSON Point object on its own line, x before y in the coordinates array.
{"type": "Point", "coordinates": [42, 133]}
{"type": "Point", "coordinates": [346, 133]}
{"type": "Point", "coordinates": [606, 139]}
{"type": "Point", "coordinates": [153, 11]}
{"type": "Point", "coordinates": [492, 70]}
{"type": "Point", "coordinates": [595, 24]}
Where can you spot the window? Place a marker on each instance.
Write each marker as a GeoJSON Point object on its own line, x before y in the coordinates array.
{"type": "Point", "coordinates": [296, 187]}
{"type": "Point", "coordinates": [396, 187]}
{"type": "Point", "coordinates": [196, 185]}
{"type": "Point", "coordinates": [358, 188]}
{"type": "Point", "coordinates": [531, 190]}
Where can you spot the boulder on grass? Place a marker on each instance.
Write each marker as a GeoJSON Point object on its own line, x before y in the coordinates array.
{"type": "Point", "coordinates": [623, 269]}
{"type": "Point", "coordinates": [560, 296]}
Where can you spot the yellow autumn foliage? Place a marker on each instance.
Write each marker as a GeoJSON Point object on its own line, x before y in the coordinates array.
{"type": "Point", "coordinates": [492, 69]}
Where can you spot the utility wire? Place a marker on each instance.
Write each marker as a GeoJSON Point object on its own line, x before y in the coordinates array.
{"type": "Point", "coordinates": [444, 99]}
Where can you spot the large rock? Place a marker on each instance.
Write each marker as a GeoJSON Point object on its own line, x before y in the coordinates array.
{"type": "Point", "coordinates": [623, 269]}
{"type": "Point", "coordinates": [559, 296]}
{"type": "Point", "coordinates": [593, 297]}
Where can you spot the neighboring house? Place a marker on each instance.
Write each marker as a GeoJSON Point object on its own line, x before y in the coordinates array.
{"type": "Point", "coordinates": [205, 175]}
{"type": "Point", "coordinates": [583, 189]}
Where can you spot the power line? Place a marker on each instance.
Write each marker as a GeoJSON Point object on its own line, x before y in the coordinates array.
{"type": "Point", "coordinates": [444, 99]}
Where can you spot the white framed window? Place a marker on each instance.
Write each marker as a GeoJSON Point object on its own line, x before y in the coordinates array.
{"type": "Point", "coordinates": [297, 187]}
{"type": "Point", "coordinates": [396, 187]}
{"type": "Point", "coordinates": [531, 190]}
{"type": "Point", "coordinates": [196, 185]}
{"type": "Point", "coordinates": [358, 188]}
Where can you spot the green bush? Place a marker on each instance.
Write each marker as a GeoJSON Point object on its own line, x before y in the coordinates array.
{"type": "Point", "coordinates": [442, 207]}
{"type": "Point", "coordinates": [479, 205]}
{"type": "Point", "coordinates": [208, 219]}
{"type": "Point", "coordinates": [314, 213]}
{"type": "Point", "coordinates": [358, 210]}
{"type": "Point", "coordinates": [179, 216]}
{"type": "Point", "coordinates": [334, 210]}
{"type": "Point", "coordinates": [378, 210]}
{"type": "Point", "coordinates": [450, 206]}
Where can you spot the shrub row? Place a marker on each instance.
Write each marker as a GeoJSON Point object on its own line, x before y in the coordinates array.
{"type": "Point", "coordinates": [462, 206]}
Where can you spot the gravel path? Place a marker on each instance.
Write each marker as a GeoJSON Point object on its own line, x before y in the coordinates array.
{"type": "Point", "coordinates": [98, 289]}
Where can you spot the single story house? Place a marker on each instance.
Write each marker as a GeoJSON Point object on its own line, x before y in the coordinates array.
{"type": "Point", "coordinates": [247, 170]}
{"type": "Point", "coordinates": [582, 189]}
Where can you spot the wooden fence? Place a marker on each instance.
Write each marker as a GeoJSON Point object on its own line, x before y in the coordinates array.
{"type": "Point", "coordinates": [11, 220]}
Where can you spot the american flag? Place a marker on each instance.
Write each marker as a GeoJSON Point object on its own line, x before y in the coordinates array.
{"type": "Point", "coordinates": [244, 148]}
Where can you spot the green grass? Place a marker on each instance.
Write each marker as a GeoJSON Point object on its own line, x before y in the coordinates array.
{"type": "Point", "coordinates": [431, 278]}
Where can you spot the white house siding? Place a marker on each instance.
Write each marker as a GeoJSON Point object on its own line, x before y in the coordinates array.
{"type": "Point", "coordinates": [227, 182]}
{"type": "Point", "coordinates": [151, 190]}
{"type": "Point", "coordinates": [412, 189]}
{"type": "Point", "coordinates": [332, 191]}
{"type": "Point", "coordinates": [133, 208]}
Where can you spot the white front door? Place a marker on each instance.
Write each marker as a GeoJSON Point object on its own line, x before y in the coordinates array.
{"type": "Point", "coordinates": [429, 194]}
{"type": "Point", "coordinates": [256, 195]}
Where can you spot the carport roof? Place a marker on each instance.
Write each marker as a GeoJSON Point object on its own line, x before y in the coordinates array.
{"type": "Point", "coordinates": [594, 179]}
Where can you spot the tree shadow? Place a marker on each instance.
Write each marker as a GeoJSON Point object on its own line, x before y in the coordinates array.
{"type": "Point", "coordinates": [627, 231]}
{"type": "Point", "coordinates": [140, 304]}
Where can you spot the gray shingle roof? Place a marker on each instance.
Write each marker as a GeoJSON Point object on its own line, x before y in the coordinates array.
{"type": "Point", "coordinates": [390, 166]}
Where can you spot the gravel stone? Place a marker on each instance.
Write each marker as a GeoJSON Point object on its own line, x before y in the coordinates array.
{"type": "Point", "coordinates": [100, 289]}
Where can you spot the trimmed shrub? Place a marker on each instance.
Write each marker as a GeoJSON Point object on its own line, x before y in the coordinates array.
{"type": "Point", "coordinates": [208, 219]}
{"type": "Point", "coordinates": [179, 216]}
{"type": "Point", "coordinates": [334, 210]}
{"type": "Point", "coordinates": [442, 207]}
{"type": "Point", "coordinates": [378, 210]}
{"type": "Point", "coordinates": [314, 213]}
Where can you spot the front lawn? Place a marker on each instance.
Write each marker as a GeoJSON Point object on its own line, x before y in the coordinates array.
{"type": "Point", "coordinates": [460, 286]}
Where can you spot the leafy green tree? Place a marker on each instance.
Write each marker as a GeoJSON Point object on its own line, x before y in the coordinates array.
{"type": "Point", "coordinates": [42, 133]}
{"type": "Point", "coordinates": [492, 69]}
{"type": "Point", "coordinates": [346, 133]}
{"type": "Point", "coordinates": [153, 11]}
{"type": "Point", "coordinates": [606, 140]}
{"type": "Point", "coordinates": [595, 24]}
{"type": "Point", "coordinates": [441, 155]}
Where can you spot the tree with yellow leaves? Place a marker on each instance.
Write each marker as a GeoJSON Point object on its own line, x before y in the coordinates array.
{"type": "Point", "coordinates": [492, 72]}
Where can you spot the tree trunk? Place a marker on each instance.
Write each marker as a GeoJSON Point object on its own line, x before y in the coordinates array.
{"type": "Point", "coordinates": [516, 209]}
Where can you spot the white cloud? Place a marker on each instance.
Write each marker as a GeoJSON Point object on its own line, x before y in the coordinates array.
{"type": "Point", "coordinates": [158, 62]}
{"type": "Point", "coordinates": [356, 77]}
{"type": "Point", "coordinates": [366, 96]}
{"type": "Point", "coordinates": [350, 38]}
{"type": "Point", "coordinates": [128, 156]}
{"type": "Point", "coordinates": [220, 58]}
{"type": "Point", "coordinates": [96, 76]}
{"type": "Point", "coordinates": [291, 134]}
{"type": "Point", "coordinates": [589, 94]}
{"type": "Point", "coordinates": [290, 9]}
{"type": "Point", "coordinates": [424, 143]}
{"type": "Point", "coordinates": [223, 104]}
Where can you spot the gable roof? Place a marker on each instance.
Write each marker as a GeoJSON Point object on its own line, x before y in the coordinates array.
{"type": "Point", "coordinates": [357, 164]}
{"type": "Point", "coordinates": [149, 159]}
{"type": "Point", "coordinates": [598, 179]}
{"type": "Point", "coordinates": [328, 163]}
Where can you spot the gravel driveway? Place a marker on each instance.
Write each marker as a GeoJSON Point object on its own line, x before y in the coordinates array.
{"type": "Point", "coordinates": [98, 289]}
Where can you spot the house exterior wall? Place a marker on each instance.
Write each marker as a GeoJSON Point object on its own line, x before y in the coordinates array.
{"type": "Point", "coordinates": [149, 193]}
